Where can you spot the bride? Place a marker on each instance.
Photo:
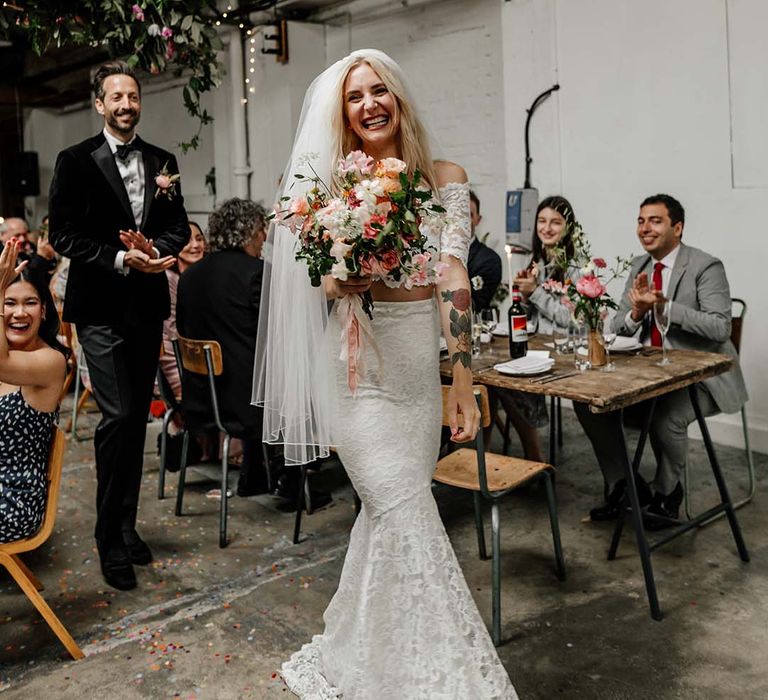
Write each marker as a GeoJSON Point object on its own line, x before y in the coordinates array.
{"type": "Point", "coordinates": [402, 623]}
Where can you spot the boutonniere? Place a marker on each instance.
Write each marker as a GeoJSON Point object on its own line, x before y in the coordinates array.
{"type": "Point", "coordinates": [166, 182]}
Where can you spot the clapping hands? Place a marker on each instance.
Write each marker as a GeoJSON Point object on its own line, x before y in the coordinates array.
{"type": "Point", "coordinates": [142, 255]}
{"type": "Point", "coordinates": [527, 280]}
{"type": "Point", "coordinates": [642, 297]}
{"type": "Point", "coordinates": [9, 270]}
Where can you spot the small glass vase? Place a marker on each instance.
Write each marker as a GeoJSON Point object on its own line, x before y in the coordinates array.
{"type": "Point", "coordinates": [597, 356]}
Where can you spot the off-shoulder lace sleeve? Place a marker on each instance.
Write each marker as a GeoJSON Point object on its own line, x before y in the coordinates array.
{"type": "Point", "coordinates": [457, 232]}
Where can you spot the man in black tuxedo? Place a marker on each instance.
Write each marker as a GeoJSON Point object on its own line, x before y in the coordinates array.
{"type": "Point", "coordinates": [483, 263]}
{"type": "Point", "coordinates": [121, 228]}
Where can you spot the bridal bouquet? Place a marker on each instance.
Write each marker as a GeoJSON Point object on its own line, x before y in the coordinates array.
{"type": "Point", "coordinates": [371, 228]}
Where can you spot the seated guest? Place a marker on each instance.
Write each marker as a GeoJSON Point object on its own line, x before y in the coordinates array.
{"type": "Point", "coordinates": [483, 263]}
{"type": "Point", "coordinates": [700, 319]}
{"type": "Point", "coordinates": [555, 222]}
{"type": "Point", "coordinates": [190, 254]}
{"type": "Point", "coordinates": [219, 299]}
{"type": "Point", "coordinates": [41, 256]}
{"type": "Point", "coordinates": [32, 369]}
{"type": "Point", "coordinates": [554, 226]}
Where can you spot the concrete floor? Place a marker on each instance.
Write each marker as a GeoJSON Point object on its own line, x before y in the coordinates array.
{"type": "Point", "coordinates": [211, 623]}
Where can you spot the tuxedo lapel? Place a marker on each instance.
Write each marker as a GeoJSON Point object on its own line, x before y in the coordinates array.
{"type": "Point", "coordinates": [677, 271]}
{"type": "Point", "coordinates": [151, 169]}
{"type": "Point", "coordinates": [106, 162]}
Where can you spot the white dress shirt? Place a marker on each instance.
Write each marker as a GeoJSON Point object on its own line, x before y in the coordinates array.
{"type": "Point", "coordinates": [666, 273]}
{"type": "Point", "coordinates": [132, 172]}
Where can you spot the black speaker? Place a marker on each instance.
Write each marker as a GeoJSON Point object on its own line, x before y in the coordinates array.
{"type": "Point", "coordinates": [25, 174]}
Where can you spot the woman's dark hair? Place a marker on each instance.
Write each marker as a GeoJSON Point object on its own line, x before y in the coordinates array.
{"type": "Point", "coordinates": [49, 326]}
{"type": "Point", "coordinates": [563, 207]}
{"type": "Point", "coordinates": [234, 223]}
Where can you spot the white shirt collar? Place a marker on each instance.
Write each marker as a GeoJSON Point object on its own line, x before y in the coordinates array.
{"type": "Point", "coordinates": [669, 260]}
{"type": "Point", "coordinates": [114, 142]}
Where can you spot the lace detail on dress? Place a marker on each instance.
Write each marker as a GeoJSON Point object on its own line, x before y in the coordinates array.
{"type": "Point", "coordinates": [457, 231]}
{"type": "Point", "coordinates": [402, 623]}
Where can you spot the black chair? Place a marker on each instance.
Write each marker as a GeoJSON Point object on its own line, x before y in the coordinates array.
{"type": "Point", "coordinates": [172, 407]}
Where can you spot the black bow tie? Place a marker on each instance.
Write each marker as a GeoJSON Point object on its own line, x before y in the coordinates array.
{"type": "Point", "coordinates": [124, 150]}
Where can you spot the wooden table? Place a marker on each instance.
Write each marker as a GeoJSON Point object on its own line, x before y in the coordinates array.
{"type": "Point", "coordinates": [637, 378]}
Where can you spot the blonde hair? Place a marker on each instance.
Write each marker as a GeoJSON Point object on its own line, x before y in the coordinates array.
{"type": "Point", "coordinates": [412, 138]}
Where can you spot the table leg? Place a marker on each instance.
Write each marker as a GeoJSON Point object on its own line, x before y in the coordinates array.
{"type": "Point", "coordinates": [635, 513]}
{"type": "Point", "coordinates": [721, 486]}
{"type": "Point", "coordinates": [552, 430]}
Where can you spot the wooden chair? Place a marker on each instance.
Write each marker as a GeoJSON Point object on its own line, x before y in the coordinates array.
{"type": "Point", "coordinates": [9, 552]}
{"type": "Point", "coordinates": [490, 477]}
{"type": "Point", "coordinates": [204, 357]}
{"type": "Point", "coordinates": [738, 312]}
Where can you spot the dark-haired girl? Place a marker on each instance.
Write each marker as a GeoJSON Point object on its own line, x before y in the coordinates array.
{"type": "Point", "coordinates": [32, 370]}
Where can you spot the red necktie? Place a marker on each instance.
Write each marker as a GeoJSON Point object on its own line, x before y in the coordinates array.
{"type": "Point", "coordinates": [655, 335]}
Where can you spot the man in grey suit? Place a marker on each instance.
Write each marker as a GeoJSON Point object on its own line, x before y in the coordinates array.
{"type": "Point", "coordinates": [700, 319]}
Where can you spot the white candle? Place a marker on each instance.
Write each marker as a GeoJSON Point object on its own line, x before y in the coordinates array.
{"type": "Point", "coordinates": [508, 248]}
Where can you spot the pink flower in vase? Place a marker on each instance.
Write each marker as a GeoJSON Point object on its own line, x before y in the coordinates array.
{"type": "Point", "coordinates": [600, 263]}
{"type": "Point", "coordinates": [590, 287]}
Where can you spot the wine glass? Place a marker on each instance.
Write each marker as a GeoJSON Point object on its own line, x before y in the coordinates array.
{"type": "Point", "coordinates": [560, 338]}
{"type": "Point", "coordinates": [488, 320]}
{"type": "Point", "coordinates": [661, 319]}
{"type": "Point", "coordinates": [609, 338]}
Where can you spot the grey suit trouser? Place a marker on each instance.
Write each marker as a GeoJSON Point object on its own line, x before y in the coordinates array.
{"type": "Point", "coordinates": [668, 434]}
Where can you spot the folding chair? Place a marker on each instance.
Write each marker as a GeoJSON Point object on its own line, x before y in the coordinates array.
{"type": "Point", "coordinates": [9, 552]}
{"type": "Point", "coordinates": [172, 406]}
{"type": "Point", "coordinates": [490, 477]}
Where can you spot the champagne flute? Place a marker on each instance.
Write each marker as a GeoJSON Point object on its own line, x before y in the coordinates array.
{"type": "Point", "coordinates": [609, 338]}
{"type": "Point", "coordinates": [661, 319]}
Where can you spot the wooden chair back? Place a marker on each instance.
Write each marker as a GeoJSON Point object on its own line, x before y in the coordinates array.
{"type": "Point", "coordinates": [478, 390]}
{"type": "Point", "coordinates": [738, 311]}
{"type": "Point", "coordinates": [55, 462]}
{"type": "Point", "coordinates": [192, 355]}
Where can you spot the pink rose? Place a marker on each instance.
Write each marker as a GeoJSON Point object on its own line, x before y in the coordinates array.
{"type": "Point", "coordinates": [371, 266]}
{"type": "Point", "coordinates": [600, 263]}
{"type": "Point", "coordinates": [166, 32]}
{"type": "Point", "coordinates": [371, 232]}
{"type": "Point", "coordinates": [591, 287]}
{"type": "Point", "coordinates": [299, 206]}
{"type": "Point", "coordinates": [389, 261]}
{"type": "Point", "coordinates": [163, 182]}
{"type": "Point", "coordinates": [138, 13]}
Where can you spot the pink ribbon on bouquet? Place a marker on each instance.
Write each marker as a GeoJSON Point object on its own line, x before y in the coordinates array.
{"type": "Point", "coordinates": [356, 335]}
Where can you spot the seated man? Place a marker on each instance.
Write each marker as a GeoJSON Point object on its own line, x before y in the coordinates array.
{"type": "Point", "coordinates": [700, 319]}
{"type": "Point", "coordinates": [483, 263]}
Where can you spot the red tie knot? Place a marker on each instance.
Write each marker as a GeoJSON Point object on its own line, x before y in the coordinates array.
{"type": "Point", "coordinates": [658, 267]}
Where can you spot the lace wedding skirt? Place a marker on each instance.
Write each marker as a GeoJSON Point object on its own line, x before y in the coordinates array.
{"type": "Point", "coordinates": [402, 623]}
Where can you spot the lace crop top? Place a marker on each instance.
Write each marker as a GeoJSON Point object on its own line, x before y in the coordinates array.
{"type": "Point", "coordinates": [456, 232]}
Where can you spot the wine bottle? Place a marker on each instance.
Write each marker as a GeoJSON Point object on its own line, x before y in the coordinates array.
{"type": "Point", "coordinates": [518, 325]}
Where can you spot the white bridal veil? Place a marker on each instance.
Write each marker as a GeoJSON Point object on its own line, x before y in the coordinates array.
{"type": "Point", "coordinates": [293, 377]}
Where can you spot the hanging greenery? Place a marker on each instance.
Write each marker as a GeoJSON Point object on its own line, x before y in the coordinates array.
{"type": "Point", "coordinates": [154, 35]}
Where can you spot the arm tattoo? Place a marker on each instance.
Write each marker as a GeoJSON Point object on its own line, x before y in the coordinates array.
{"type": "Point", "coordinates": [461, 324]}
